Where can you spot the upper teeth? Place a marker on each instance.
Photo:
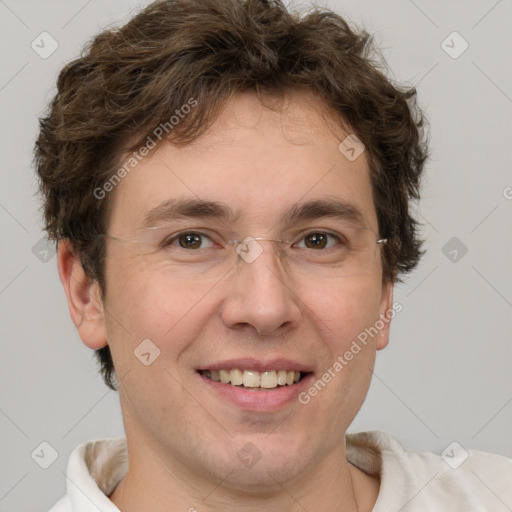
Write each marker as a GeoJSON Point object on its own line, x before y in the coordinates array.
{"type": "Point", "coordinates": [253, 379]}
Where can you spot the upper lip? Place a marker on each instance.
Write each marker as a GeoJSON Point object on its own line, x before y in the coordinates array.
{"type": "Point", "coordinates": [258, 365]}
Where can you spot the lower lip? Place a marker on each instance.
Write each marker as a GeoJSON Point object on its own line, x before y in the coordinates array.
{"type": "Point", "coordinates": [259, 401]}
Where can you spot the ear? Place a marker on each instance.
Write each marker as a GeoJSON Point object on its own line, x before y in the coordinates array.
{"type": "Point", "coordinates": [386, 313]}
{"type": "Point", "coordinates": [83, 296]}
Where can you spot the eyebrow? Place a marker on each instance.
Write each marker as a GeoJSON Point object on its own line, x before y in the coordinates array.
{"type": "Point", "coordinates": [177, 209]}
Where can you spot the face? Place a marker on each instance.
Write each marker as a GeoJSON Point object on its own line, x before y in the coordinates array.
{"type": "Point", "coordinates": [276, 313]}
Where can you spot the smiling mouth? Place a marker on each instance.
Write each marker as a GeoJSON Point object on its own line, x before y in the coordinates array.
{"type": "Point", "coordinates": [254, 380]}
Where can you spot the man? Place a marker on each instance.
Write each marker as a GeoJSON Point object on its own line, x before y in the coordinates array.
{"type": "Point", "coordinates": [229, 188]}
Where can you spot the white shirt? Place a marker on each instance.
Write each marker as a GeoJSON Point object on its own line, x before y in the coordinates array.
{"type": "Point", "coordinates": [459, 480]}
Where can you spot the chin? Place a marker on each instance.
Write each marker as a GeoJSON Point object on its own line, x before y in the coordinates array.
{"type": "Point", "coordinates": [259, 465]}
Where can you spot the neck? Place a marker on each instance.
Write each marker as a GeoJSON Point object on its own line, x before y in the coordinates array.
{"type": "Point", "coordinates": [156, 483]}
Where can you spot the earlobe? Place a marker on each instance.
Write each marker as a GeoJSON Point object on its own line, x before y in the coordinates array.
{"type": "Point", "coordinates": [83, 297]}
{"type": "Point", "coordinates": [386, 314]}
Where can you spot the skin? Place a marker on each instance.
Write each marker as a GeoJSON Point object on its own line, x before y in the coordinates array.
{"type": "Point", "coordinates": [183, 438]}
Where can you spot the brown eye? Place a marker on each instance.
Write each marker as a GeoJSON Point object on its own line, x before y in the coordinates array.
{"type": "Point", "coordinates": [316, 240]}
{"type": "Point", "coordinates": [189, 240]}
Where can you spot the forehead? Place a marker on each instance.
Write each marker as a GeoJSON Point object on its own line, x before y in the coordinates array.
{"type": "Point", "coordinates": [257, 161]}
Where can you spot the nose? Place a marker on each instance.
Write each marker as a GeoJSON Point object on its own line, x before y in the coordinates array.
{"type": "Point", "coordinates": [261, 294]}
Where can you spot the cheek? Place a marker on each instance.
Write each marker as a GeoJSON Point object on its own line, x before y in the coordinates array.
{"type": "Point", "coordinates": [343, 312]}
{"type": "Point", "coordinates": [147, 305]}
{"type": "Point", "coordinates": [344, 309]}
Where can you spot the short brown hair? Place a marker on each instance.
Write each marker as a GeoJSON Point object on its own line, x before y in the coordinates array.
{"type": "Point", "coordinates": [131, 79]}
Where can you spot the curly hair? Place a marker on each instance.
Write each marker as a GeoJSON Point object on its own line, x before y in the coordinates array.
{"type": "Point", "coordinates": [130, 79]}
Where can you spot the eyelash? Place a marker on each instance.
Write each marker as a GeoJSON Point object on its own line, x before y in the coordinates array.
{"type": "Point", "coordinates": [169, 240]}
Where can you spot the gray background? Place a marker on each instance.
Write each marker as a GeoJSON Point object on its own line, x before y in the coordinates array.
{"type": "Point", "coordinates": [446, 374]}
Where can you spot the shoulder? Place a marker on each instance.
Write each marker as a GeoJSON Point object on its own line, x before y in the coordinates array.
{"type": "Point", "coordinates": [94, 469]}
{"type": "Point", "coordinates": [457, 479]}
